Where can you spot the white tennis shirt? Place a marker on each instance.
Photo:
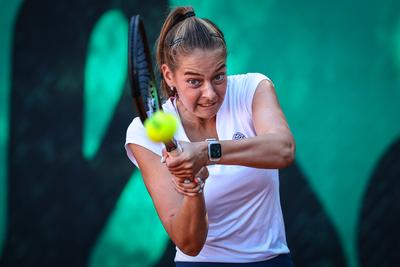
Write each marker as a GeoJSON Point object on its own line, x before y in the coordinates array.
{"type": "Point", "coordinates": [243, 203]}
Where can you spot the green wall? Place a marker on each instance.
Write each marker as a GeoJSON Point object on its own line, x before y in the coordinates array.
{"type": "Point", "coordinates": [336, 69]}
{"type": "Point", "coordinates": [8, 13]}
{"type": "Point", "coordinates": [335, 66]}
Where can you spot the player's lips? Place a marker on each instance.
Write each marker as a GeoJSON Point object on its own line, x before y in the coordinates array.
{"type": "Point", "coordinates": [207, 105]}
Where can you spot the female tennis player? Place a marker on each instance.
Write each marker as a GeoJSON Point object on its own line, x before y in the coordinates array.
{"type": "Point", "coordinates": [233, 126]}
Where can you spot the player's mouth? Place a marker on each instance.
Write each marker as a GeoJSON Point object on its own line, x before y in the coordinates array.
{"type": "Point", "coordinates": [207, 105]}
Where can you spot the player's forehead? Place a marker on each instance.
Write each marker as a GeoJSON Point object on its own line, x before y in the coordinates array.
{"type": "Point", "coordinates": [202, 61]}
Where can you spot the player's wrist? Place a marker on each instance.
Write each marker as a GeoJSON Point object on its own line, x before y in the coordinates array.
{"type": "Point", "coordinates": [203, 152]}
{"type": "Point", "coordinates": [214, 150]}
{"type": "Point", "coordinates": [209, 151]}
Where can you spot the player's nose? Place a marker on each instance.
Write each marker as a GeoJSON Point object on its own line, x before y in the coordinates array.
{"type": "Point", "coordinates": [209, 91]}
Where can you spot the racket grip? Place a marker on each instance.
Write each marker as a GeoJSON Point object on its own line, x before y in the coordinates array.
{"type": "Point", "coordinates": [171, 145]}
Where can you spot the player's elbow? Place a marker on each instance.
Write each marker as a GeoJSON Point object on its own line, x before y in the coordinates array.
{"type": "Point", "coordinates": [190, 237]}
{"type": "Point", "coordinates": [191, 248]}
{"type": "Point", "coordinates": [288, 152]}
{"type": "Point", "coordinates": [192, 243]}
{"type": "Point", "coordinates": [191, 251]}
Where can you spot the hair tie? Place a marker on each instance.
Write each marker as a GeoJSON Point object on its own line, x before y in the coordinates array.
{"type": "Point", "coordinates": [180, 17]}
{"type": "Point", "coordinates": [189, 14]}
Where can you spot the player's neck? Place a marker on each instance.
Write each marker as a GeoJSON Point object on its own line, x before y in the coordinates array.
{"type": "Point", "coordinates": [195, 127]}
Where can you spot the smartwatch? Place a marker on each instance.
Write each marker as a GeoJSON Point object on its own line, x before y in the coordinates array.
{"type": "Point", "coordinates": [214, 149]}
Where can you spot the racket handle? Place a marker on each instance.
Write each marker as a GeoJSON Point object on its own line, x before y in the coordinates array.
{"type": "Point", "coordinates": [171, 145]}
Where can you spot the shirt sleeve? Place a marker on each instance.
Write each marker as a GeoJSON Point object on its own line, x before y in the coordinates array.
{"type": "Point", "coordinates": [249, 86]}
{"type": "Point", "coordinates": [136, 134]}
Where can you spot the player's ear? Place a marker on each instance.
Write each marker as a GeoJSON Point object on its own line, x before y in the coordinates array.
{"type": "Point", "coordinates": [167, 75]}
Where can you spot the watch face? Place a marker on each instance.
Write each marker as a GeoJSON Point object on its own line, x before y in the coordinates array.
{"type": "Point", "coordinates": [215, 151]}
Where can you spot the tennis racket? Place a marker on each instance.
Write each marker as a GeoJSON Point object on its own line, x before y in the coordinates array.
{"type": "Point", "coordinates": [143, 83]}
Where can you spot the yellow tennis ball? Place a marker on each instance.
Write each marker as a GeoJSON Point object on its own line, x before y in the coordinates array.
{"type": "Point", "coordinates": [161, 126]}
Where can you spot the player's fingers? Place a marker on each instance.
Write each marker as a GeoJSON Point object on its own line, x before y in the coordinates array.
{"type": "Point", "coordinates": [180, 171]}
{"type": "Point", "coordinates": [174, 167]}
{"type": "Point", "coordinates": [182, 174]}
{"type": "Point", "coordinates": [182, 167]}
{"type": "Point", "coordinates": [186, 184]}
{"type": "Point", "coordinates": [173, 162]}
{"type": "Point", "coordinates": [185, 193]}
{"type": "Point", "coordinates": [180, 191]}
{"type": "Point", "coordinates": [185, 180]}
{"type": "Point", "coordinates": [191, 188]}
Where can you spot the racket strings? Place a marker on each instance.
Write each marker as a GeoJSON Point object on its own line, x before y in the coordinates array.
{"type": "Point", "coordinates": [144, 86]}
{"type": "Point", "coordinates": [144, 77]}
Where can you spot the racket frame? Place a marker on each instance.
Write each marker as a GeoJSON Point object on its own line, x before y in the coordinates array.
{"type": "Point", "coordinates": [137, 30]}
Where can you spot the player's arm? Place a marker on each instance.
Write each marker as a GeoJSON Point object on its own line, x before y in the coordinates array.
{"type": "Point", "coordinates": [183, 217]}
{"type": "Point", "coordinates": [272, 147]}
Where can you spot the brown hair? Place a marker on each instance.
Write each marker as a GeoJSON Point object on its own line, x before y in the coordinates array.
{"type": "Point", "coordinates": [181, 33]}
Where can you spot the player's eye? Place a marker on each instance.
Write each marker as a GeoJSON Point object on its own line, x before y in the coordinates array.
{"type": "Point", "coordinates": [193, 82]}
{"type": "Point", "coordinates": [220, 77]}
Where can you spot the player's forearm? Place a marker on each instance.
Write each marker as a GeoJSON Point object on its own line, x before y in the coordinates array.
{"type": "Point", "coordinates": [263, 151]}
{"type": "Point", "coordinates": [190, 225]}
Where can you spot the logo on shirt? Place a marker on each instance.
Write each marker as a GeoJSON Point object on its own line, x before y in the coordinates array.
{"type": "Point", "coordinates": [238, 136]}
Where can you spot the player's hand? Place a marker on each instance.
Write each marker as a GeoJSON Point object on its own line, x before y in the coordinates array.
{"type": "Point", "coordinates": [193, 187]}
{"type": "Point", "coordinates": [185, 164]}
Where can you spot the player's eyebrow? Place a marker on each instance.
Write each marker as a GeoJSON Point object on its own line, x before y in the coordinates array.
{"type": "Point", "coordinates": [198, 74]}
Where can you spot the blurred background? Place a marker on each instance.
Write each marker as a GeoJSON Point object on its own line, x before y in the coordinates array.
{"type": "Point", "coordinates": [69, 195]}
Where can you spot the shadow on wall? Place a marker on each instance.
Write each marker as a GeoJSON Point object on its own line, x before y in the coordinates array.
{"type": "Point", "coordinates": [58, 201]}
{"type": "Point", "coordinates": [379, 232]}
{"type": "Point", "coordinates": [310, 234]}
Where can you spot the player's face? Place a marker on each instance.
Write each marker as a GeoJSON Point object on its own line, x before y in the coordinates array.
{"type": "Point", "coordinates": [200, 81]}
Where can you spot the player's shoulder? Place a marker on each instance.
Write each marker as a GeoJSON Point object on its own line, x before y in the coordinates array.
{"type": "Point", "coordinates": [136, 126]}
{"type": "Point", "coordinates": [248, 75]}
{"type": "Point", "coordinates": [247, 81]}
{"type": "Point", "coordinates": [136, 122]}
{"type": "Point", "coordinates": [246, 78]}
